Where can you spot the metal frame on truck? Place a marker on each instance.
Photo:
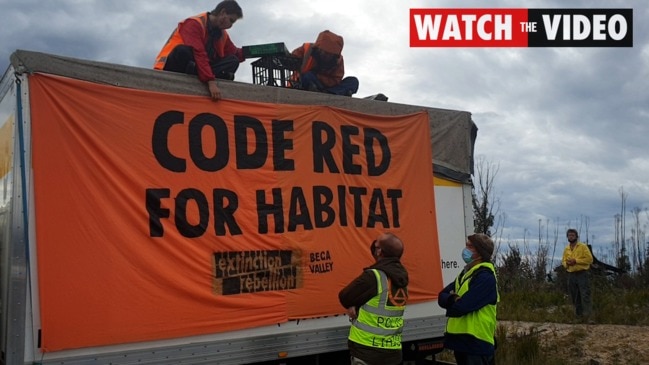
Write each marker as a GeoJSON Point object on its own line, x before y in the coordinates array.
{"type": "Point", "coordinates": [310, 340]}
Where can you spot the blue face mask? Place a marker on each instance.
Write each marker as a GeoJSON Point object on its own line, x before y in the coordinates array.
{"type": "Point", "coordinates": [467, 255]}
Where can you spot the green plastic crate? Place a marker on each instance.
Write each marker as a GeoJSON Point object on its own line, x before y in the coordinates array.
{"type": "Point", "coordinates": [261, 50]}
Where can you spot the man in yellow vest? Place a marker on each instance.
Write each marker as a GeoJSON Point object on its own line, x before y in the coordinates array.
{"type": "Point", "coordinates": [323, 67]}
{"type": "Point", "coordinates": [577, 260]}
{"type": "Point", "coordinates": [470, 302]}
{"type": "Point", "coordinates": [375, 302]}
{"type": "Point", "coordinates": [200, 45]}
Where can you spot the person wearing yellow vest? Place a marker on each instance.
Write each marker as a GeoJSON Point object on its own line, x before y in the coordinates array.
{"type": "Point", "coordinates": [322, 68]}
{"type": "Point", "coordinates": [470, 302]}
{"type": "Point", "coordinates": [375, 302]}
{"type": "Point", "coordinates": [200, 45]}
{"type": "Point", "coordinates": [577, 259]}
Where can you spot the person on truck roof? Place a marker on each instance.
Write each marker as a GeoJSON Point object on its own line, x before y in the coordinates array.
{"type": "Point", "coordinates": [200, 45]}
{"type": "Point", "coordinates": [375, 302]}
{"type": "Point", "coordinates": [322, 68]}
{"type": "Point", "coordinates": [470, 302]}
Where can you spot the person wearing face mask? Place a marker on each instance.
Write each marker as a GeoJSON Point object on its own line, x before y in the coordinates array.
{"type": "Point", "coordinates": [200, 45]}
{"type": "Point", "coordinates": [470, 302]}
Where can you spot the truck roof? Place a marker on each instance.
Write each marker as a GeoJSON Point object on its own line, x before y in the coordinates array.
{"type": "Point", "coordinates": [452, 132]}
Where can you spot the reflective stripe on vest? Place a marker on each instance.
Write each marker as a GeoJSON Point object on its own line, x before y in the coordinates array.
{"type": "Point", "coordinates": [379, 324]}
{"type": "Point", "coordinates": [176, 39]}
{"type": "Point", "coordinates": [480, 324]}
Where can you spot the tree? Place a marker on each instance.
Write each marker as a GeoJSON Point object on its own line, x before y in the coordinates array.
{"type": "Point", "coordinates": [622, 259]}
{"type": "Point", "coordinates": [637, 240]}
{"type": "Point", "coordinates": [485, 202]}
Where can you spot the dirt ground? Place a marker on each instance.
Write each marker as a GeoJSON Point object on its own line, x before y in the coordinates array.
{"type": "Point", "coordinates": [591, 344]}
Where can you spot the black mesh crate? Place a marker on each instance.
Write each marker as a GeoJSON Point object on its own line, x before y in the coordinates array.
{"type": "Point", "coordinates": [274, 70]}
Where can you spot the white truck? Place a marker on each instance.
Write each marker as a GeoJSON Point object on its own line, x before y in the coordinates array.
{"type": "Point", "coordinates": [142, 223]}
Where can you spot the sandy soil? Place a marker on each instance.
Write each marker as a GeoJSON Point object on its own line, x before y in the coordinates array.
{"type": "Point", "coordinates": [592, 344]}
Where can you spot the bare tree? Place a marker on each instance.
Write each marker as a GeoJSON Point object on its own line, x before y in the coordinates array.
{"type": "Point", "coordinates": [637, 239]}
{"type": "Point", "coordinates": [616, 243]}
{"type": "Point", "coordinates": [540, 263]}
{"type": "Point", "coordinates": [623, 197]}
{"type": "Point", "coordinates": [555, 236]}
{"type": "Point", "coordinates": [486, 204]}
{"type": "Point", "coordinates": [620, 239]}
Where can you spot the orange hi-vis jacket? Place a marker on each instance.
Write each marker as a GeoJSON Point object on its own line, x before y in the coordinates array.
{"type": "Point", "coordinates": [307, 64]}
{"type": "Point", "coordinates": [176, 39]}
{"type": "Point", "coordinates": [328, 79]}
{"type": "Point", "coordinates": [307, 60]}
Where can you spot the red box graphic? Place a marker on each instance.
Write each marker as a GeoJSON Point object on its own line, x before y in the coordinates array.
{"type": "Point", "coordinates": [468, 27]}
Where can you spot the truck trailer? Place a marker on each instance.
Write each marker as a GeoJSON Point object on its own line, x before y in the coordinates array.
{"type": "Point", "coordinates": [143, 223]}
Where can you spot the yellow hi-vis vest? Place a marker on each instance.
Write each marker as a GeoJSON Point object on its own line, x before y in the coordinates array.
{"type": "Point", "coordinates": [480, 324]}
{"type": "Point", "coordinates": [380, 321]}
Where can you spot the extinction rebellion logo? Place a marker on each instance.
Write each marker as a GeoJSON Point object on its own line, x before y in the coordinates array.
{"type": "Point", "coordinates": [242, 272]}
{"type": "Point", "coordinates": [521, 27]}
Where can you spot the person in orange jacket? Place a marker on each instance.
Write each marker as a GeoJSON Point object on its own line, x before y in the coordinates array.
{"type": "Point", "coordinates": [200, 45]}
{"type": "Point", "coordinates": [323, 67]}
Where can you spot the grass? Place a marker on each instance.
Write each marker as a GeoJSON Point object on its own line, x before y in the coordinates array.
{"type": "Point", "coordinates": [548, 302]}
{"type": "Point", "coordinates": [614, 302]}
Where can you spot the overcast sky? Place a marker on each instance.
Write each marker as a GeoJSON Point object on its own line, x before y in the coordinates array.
{"type": "Point", "coordinates": [568, 127]}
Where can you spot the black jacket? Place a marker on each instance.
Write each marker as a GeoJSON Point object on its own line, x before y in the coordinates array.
{"type": "Point", "coordinates": [364, 288]}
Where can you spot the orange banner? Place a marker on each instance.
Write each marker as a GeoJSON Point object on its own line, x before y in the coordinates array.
{"type": "Point", "coordinates": [162, 216]}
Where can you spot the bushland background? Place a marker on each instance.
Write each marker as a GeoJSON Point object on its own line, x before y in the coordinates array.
{"type": "Point", "coordinates": [537, 324]}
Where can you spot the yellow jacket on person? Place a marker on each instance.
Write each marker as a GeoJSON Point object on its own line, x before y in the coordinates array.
{"type": "Point", "coordinates": [581, 254]}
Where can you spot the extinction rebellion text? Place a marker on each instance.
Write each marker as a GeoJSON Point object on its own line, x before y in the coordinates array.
{"type": "Point", "coordinates": [242, 272]}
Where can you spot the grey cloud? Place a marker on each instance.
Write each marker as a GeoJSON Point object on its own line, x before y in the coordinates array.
{"type": "Point", "coordinates": [567, 126]}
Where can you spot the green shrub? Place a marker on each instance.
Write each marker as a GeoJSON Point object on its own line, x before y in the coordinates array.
{"type": "Point", "coordinates": [522, 348]}
{"type": "Point", "coordinates": [526, 295]}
